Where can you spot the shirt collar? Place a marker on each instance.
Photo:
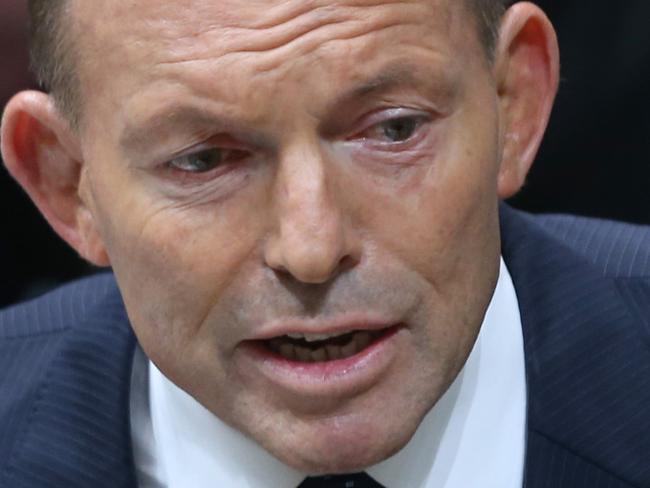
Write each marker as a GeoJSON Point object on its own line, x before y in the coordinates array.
{"type": "Point", "coordinates": [476, 431]}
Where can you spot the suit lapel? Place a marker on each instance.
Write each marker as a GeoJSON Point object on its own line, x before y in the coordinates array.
{"type": "Point", "coordinates": [586, 365]}
{"type": "Point", "coordinates": [78, 434]}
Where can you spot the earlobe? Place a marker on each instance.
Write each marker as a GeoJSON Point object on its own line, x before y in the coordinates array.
{"type": "Point", "coordinates": [527, 74]}
{"type": "Point", "coordinates": [43, 154]}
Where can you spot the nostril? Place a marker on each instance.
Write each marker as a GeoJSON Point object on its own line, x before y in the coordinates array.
{"type": "Point", "coordinates": [316, 268]}
{"type": "Point", "coordinates": [347, 262]}
{"type": "Point", "coordinates": [313, 253]}
{"type": "Point", "coordinates": [315, 264]}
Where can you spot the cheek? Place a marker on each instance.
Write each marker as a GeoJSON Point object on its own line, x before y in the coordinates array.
{"type": "Point", "coordinates": [442, 225]}
{"type": "Point", "coordinates": [443, 213]}
{"type": "Point", "coordinates": [172, 261]}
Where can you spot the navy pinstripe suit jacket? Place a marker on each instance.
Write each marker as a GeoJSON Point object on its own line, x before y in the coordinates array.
{"type": "Point", "coordinates": [584, 293]}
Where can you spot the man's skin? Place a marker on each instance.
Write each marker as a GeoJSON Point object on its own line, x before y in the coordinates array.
{"type": "Point", "coordinates": [251, 169]}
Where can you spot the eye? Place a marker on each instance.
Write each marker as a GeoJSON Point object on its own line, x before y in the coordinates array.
{"type": "Point", "coordinates": [206, 160]}
{"type": "Point", "coordinates": [396, 130]}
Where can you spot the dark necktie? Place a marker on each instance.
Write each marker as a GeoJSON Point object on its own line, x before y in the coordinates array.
{"type": "Point", "coordinates": [358, 480]}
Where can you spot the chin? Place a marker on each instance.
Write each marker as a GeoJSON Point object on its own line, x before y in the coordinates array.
{"type": "Point", "coordinates": [338, 459]}
{"type": "Point", "coordinates": [339, 448]}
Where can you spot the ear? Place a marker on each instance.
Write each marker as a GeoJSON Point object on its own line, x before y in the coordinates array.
{"type": "Point", "coordinates": [527, 74]}
{"type": "Point", "coordinates": [43, 154]}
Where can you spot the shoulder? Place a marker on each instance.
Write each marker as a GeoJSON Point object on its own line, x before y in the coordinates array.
{"type": "Point", "coordinates": [58, 311]}
{"type": "Point", "coordinates": [564, 265]}
{"type": "Point", "coordinates": [614, 249]}
{"type": "Point", "coordinates": [619, 249]}
{"type": "Point", "coordinates": [67, 356]}
{"type": "Point", "coordinates": [583, 287]}
{"type": "Point", "coordinates": [33, 334]}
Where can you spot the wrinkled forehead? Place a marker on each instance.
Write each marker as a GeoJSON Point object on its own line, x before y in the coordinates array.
{"type": "Point", "coordinates": [185, 15]}
{"type": "Point", "coordinates": [128, 46]}
{"type": "Point", "coordinates": [183, 25]}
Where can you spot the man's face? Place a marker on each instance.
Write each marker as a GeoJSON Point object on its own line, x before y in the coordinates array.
{"type": "Point", "coordinates": [259, 169]}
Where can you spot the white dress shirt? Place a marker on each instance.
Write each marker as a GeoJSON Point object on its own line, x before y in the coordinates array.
{"type": "Point", "coordinates": [473, 437]}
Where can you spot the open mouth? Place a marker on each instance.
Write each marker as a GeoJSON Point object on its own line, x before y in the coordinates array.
{"type": "Point", "coordinates": [314, 348]}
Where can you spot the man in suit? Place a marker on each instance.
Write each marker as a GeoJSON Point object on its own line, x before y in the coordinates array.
{"type": "Point", "coordinates": [300, 206]}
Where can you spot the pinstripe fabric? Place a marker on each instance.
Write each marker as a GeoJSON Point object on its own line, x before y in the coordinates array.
{"type": "Point", "coordinates": [66, 361]}
{"type": "Point", "coordinates": [584, 292]}
{"type": "Point", "coordinates": [618, 250]}
{"type": "Point", "coordinates": [556, 467]}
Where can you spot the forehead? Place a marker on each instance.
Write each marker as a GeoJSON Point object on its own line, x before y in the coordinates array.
{"type": "Point", "coordinates": [184, 29]}
{"type": "Point", "coordinates": [188, 17]}
{"type": "Point", "coordinates": [130, 47]}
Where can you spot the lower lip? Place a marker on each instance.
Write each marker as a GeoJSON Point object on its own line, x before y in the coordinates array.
{"type": "Point", "coordinates": [340, 376]}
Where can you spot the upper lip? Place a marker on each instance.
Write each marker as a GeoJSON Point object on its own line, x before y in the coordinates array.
{"type": "Point", "coordinates": [310, 326]}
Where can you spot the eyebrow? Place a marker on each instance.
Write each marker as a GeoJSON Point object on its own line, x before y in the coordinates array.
{"type": "Point", "coordinates": [196, 120]}
{"type": "Point", "coordinates": [137, 136]}
{"type": "Point", "coordinates": [401, 74]}
{"type": "Point", "coordinates": [394, 76]}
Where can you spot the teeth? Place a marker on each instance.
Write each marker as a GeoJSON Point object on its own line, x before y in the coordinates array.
{"type": "Point", "coordinates": [328, 352]}
{"type": "Point", "coordinates": [333, 352]}
{"type": "Point", "coordinates": [350, 349]}
{"type": "Point", "coordinates": [362, 339]}
{"type": "Point", "coordinates": [288, 351]}
{"type": "Point", "coordinates": [303, 353]}
{"type": "Point", "coordinates": [319, 355]}
{"type": "Point", "coordinates": [314, 337]}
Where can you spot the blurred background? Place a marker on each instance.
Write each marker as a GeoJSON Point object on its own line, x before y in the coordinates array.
{"type": "Point", "coordinates": [594, 161]}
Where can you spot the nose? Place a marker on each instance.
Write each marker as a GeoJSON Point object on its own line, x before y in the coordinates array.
{"type": "Point", "coordinates": [311, 239]}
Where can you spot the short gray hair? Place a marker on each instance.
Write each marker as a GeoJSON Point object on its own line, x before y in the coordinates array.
{"type": "Point", "coordinates": [52, 54]}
